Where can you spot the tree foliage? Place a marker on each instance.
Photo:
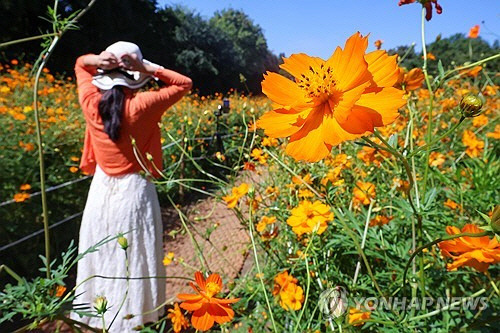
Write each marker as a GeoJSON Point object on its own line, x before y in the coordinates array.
{"type": "Point", "coordinates": [453, 51]}
{"type": "Point", "coordinates": [214, 52]}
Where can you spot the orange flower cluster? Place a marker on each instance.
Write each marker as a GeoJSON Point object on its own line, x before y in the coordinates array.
{"type": "Point", "coordinates": [309, 216]}
{"type": "Point", "coordinates": [22, 196]}
{"type": "Point", "coordinates": [380, 220]}
{"type": "Point", "coordinates": [290, 293]}
{"type": "Point", "coordinates": [207, 309]}
{"type": "Point", "coordinates": [476, 252]}
{"type": "Point", "coordinates": [331, 101]}
{"type": "Point", "coordinates": [237, 193]}
{"type": "Point", "coordinates": [178, 320]}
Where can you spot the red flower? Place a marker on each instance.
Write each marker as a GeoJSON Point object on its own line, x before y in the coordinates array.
{"type": "Point", "coordinates": [428, 6]}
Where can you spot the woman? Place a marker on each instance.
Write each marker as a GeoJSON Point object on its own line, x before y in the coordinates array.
{"type": "Point", "coordinates": [120, 200]}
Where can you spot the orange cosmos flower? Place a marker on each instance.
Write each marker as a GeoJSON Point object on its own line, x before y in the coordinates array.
{"type": "Point", "coordinates": [179, 322]}
{"type": "Point", "coordinates": [451, 204]}
{"type": "Point", "coordinates": [378, 44]}
{"type": "Point", "coordinates": [476, 252]}
{"type": "Point", "coordinates": [308, 216]}
{"type": "Point", "coordinates": [206, 308]}
{"type": "Point", "coordinates": [473, 144]}
{"type": "Point", "coordinates": [25, 187]}
{"type": "Point", "coordinates": [436, 159]}
{"type": "Point", "coordinates": [291, 297]}
{"type": "Point", "coordinates": [474, 72]}
{"type": "Point", "coordinates": [342, 98]}
{"type": "Point", "coordinates": [474, 31]}
{"type": "Point", "coordinates": [495, 134]}
{"type": "Point", "coordinates": [237, 193]}
{"type": "Point", "coordinates": [357, 317]}
{"type": "Point", "coordinates": [363, 192]}
{"type": "Point", "coordinates": [380, 220]}
{"type": "Point", "coordinates": [21, 197]}
{"type": "Point", "coordinates": [430, 56]}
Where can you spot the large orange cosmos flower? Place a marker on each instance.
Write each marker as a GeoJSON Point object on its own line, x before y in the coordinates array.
{"type": "Point", "coordinates": [206, 308]}
{"type": "Point", "coordinates": [331, 101]}
{"type": "Point", "coordinates": [476, 252]}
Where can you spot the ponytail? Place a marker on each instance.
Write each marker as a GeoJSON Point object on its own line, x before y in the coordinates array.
{"type": "Point", "coordinates": [111, 109]}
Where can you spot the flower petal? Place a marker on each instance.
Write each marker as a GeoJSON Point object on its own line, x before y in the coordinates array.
{"type": "Point", "coordinates": [280, 123]}
{"type": "Point", "coordinates": [221, 314]}
{"type": "Point", "coordinates": [191, 305]}
{"type": "Point", "coordinates": [215, 278]}
{"type": "Point", "coordinates": [200, 280]}
{"type": "Point", "coordinates": [308, 144]}
{"type": "Point", "coordinates": [201, 319]}
{"type": "Point", "coordinates": [383, 67]}
{"type": "Point", "coordinates": [343, 104]}
{"type": "Point", "coordinates": [333, 133]}
{"type": "Point", "coordinates": [349, 65]}
{"type": "Point", "coordinates": [282, 90]}
{"type": "Point", "coordinates": [362, 120]}
{"type": "Point", "coordinates": [189, 297]}
{"type": "Point", "coordinates": [299, 63]}
{"type": "Point", "coordinates": [386, 101]}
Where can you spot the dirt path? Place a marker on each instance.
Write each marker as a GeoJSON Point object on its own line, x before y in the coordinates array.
{"type": "Point", "coordinates": [224, 248]}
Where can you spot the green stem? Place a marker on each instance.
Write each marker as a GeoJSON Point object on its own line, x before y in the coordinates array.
{"type": "Point", "coordinates": [11, 273]}
{"type": "Point", "coordinates": [126, 290]}
{"type": "Point", "coordinates": [40, 156]}
{"type": "Point", "coordinates": [444, 308]}
{"type": "Point", "coordinates": [433, 142]}
{"type": "Point", "coordinates": [308, 283]}
{"type": "Point", "coordinates": [256, 257]}
{"type": "Point", "coordinates": [27, 39]}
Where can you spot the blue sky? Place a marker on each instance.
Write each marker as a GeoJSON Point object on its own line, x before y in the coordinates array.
{"type": "Point", "coordinates": [316, 27]}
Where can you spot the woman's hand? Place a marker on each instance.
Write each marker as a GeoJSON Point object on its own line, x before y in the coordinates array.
{"type": "Point", "coordinates": [132, 63]}
{"type": "Point", "coordinates": [107, 60]}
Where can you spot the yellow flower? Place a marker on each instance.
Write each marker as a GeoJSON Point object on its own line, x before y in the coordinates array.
{"type": "Point", "coordinates": [495, 134]}
{"type": "Point", "coordinates": [258, 155]}
{"type": "Point", "coordinates": [291, 297]}
{"type": "Point", "coordinates": [169, 257]}
{"type": "Point", "coordinates": [308, 216]}
{"type": "Point", "coordinates": [479, 121]}
{"type": "Point", "coordinates": [73, 169]}
{"type": "Point", "coordinates": [237, 193]}
{"type": "Point", "coordinates": [436, 159]}
{"type": "Point", "coordinates": [264, 221]}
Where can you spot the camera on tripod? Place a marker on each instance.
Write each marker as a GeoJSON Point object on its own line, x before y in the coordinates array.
{"type": "Point", "coordinates": [224, 108]}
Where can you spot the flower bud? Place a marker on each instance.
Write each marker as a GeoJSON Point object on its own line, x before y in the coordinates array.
{"type": "Point", "coordinates": [495, 220]}
{"type": "Point", "coordinates": [471, 105]}
{"type": "Point", "coordinates": [101, 305]}
{"type": "Point", "coordinates": [123, 242]}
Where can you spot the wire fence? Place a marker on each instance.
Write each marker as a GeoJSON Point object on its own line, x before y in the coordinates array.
{"type": "Point", "coordinates": [66, 184]}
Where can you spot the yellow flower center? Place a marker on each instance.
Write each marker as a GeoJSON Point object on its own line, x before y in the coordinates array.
{"type": "Point", "coordinates": [318, 82]}
{"type": "Point", "coordinates": [212, 289]}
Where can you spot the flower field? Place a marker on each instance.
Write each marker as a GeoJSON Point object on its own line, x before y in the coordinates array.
{"type": "Point", "coordinates": [376, 206]}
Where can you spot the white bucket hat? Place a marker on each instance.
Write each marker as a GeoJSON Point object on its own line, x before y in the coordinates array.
{"type": "Point", "coordinates": [107, 79]}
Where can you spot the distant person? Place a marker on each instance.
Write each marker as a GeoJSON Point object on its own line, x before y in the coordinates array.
{"type": "Point", "coordinates": [120, 199]}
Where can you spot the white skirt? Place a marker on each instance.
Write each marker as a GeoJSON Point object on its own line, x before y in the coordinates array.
{"type": "Point", "coordinates": [118, 205]}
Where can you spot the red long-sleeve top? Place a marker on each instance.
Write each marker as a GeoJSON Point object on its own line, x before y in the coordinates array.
{"type": "Point", "coordinates": [142, 113]}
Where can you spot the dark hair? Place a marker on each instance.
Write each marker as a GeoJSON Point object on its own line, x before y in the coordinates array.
{"type": "Point", "coordinates": [111, 109]}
